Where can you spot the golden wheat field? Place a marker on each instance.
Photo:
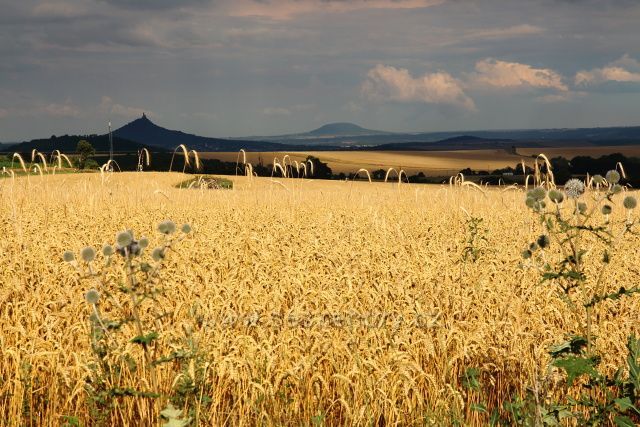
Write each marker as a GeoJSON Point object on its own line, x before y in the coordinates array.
{"type": "Point", "coordinates": [431, 163]}
{"type": "Point", "coordinates": [313, 302]}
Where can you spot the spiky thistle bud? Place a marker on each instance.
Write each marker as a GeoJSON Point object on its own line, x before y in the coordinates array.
{"type": "Point", "coordinates": [613, 177]}
{"type": "Point", "coordinates": [124, 238]}
{"type": "Point", "coordinates": [606, 210]}
{"type": "Point", "coordinates": [157, 254]}
{"type": "Point", "coordinates": [68, 256]}
{"type": "Point", "coordinates": [143, 242]}
{"type": "Point", "coordinates": [543, 241]}
{"type": "Point", "coordinates": [630, 202]}
{"type": "Point", "coordinates": [107, 250]}
{"type": "Point", "coordinates": [537, 193]}
{"type": "Point", "coordinates": [530, 202]}
{"type": "Point", "coordinates": [167, 227]}
{"type": "Point", "coordinates": [92, 296]}
{"type": "Point", "coordinates": [556, 196]}
{"type": "Point", "coordinates": [598, 179]}
{"type": "Point", "coordinates": [582, 207]}
{"type": "Point", "coordinates": [88, 254]}
{"type": "Point", "coordinates": [186, 228]}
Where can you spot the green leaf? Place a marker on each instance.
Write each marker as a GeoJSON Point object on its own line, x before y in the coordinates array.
{"type": "Point", "coordinates": [471, 379]}
{"type": "Point", "coordinates": [175, 422]}
{"type": "Point", "coordinates": [623, 421]}
{"type": "Point", "coordinates": [573, 345]}
{"type": "Point", "coordinates": [624, 404]}
{"type": "Point", "coordinates": [171, 412]}
{"type": "Point", "coordinates": [478, 407]}
{"type": "Point", "coordinates": [576, 367]}
{"type": "Point", "coordinates": [174, 417]}
{"type": "Point", "coordinates": [145, 339]}
{"type": "Point", "coordinates": [564, 413]}
{"type": "Point", "coordinates": [633, 345]}
{"type": "Point", "coordinates": [550, 420]}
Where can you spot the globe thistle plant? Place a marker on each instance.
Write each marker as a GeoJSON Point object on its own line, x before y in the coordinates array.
{"type": "Point", "coordinates": [135, 305]}
{"type": "Point", "coordinates": [567, 229]}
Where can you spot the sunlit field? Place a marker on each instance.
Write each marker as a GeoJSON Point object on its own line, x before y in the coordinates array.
{"type": "Point", "coordinates": [431, 163]}
{"type": "Point", "coordinates": [312, 302]}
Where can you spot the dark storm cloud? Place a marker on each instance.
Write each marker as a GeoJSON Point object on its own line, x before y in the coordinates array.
{"type": "Point", "coordinates": [233, 67]}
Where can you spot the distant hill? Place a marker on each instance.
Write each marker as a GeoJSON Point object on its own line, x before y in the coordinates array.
{"type": "Point", "coordinates": [342, 129]}
{"type": "Point", "coordinates": [340, 135]}
{"type": "Point", "coordinates": [349, 136]}
{"type": "Point", "coordinates": [144, 131]}
{"type": "Point", "coordinates": [68, 144]}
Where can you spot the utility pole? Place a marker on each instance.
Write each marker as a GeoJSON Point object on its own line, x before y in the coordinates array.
{"type": "Point", "coordinates": [110, 145]}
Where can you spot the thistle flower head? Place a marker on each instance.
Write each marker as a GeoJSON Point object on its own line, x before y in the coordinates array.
{"type": "Point", "coordinates": [598, 179]}
{"type": "Point", "coordinates": [606, 209]}
{"type": "Point", "coordinates": [186, 228]}
{"type": "Point", "coordinates": [107, 250]}
{"type": "Point", "coordinates": [582, 207]}
{"type": "Point", "coordinates": [124, 238]}
{"type": "Point", "coordinates": [543, 241]}
{"type": "Point", "coordinates": [537, 193]}
{"type": "Point", "coordinates": [167, 227]}
{"type": "Point", "coordinates": [88, 254]}
{"type": "Point", "coordinates": [556, 196]}
{"type": "Point", "coordinates": [616, 188]}
{"type": "Point", "coordinates": [68, 256]}
{"type": "Point", "coordinates": [92, 296]}
{"type": "Point", "coordinates": [613, 177]}
{"type": "Point", "coordinates": [157, 254]}
{"type": "Point", "coordinates": [526, 254]}
{"type": "Point", "coordinates": [143, 242]}
{"type": "Point", "coordinates": [530, 202]}
{"type": "Point", "coordinates": [574, 188]}
{"type": "Point", "coordinates": [135, 249]}
{"type": "Point", "coordinates": [630, 202]}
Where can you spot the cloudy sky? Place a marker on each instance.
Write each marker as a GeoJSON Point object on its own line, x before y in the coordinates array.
{"type": "Point", "coordinates": [259, 67]}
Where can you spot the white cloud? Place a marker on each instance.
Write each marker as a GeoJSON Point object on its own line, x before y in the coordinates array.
{"type": "Point", "coordinates": [108, 106]}
{"type": "Point", "coordinates": [514, 75]}
{"type": "Point", "coordinates": [386, 83]}
{"type": "Point", "coordinates": [625, 69]}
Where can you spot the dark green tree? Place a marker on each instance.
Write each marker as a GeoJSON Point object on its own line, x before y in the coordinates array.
{"type": "Point", "coordinates": [85, 151]}
{"type": "Point", "coordinates": [561, 169]}
{"type": "Point", "coordinates": [320, 169]}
